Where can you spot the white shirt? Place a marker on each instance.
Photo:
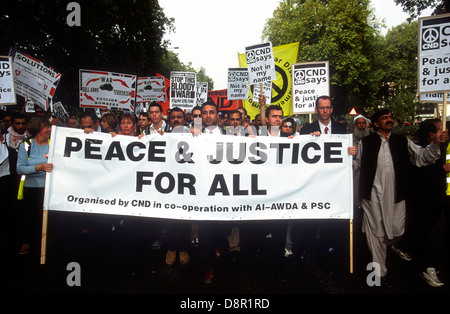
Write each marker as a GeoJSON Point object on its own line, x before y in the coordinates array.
{"type": "Point", "coordinates": [211, 130]}
{"type": "Point", "coordinates": [383, 215]}
{"type": "Point", "coordinates": [322, 127]}
{"type": "Point", "coordinates": [266, 131]}
{"type": "Point", "coordinates": [4, 161]}
{"type": "Point", "coordinates": [161, 128]}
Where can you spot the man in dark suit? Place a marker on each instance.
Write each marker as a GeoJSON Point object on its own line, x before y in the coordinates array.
{"type": "Point", "coordinates": [324, 125]}
{"type": "Point", "coordinates": [324, 238]}
{"type": "Point", "coordinates": [212, 234]}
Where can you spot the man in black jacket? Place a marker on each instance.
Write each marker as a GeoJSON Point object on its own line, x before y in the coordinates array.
{"type": "Point", "coordinates": [384, 159]}
{"type": "Point", "coordinates": [325, 238]}
{"type": "Point", "coordinates": [427, 204]}
{"type": "Point", "coordinates": [324, 125]}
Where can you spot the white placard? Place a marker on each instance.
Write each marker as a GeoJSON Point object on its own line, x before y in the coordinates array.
{"type": "Point", "coordinates": [310, 80]}
{"type": "Point", "coordinates": [267, 92]}
{"type": "Point", "coordinates": [182, 89]}
{"type": "Point", "coordinates": [238, 87]}
{"type": "Point", "coordinates": [201, 92]}
{"type": "Point", "coordinates": [260, 63]}
{"type": "Point", "coordinates": [150, 89]}
{"type": "Point", "coordinates": [33, 79]}
{"type": "Point", "coordinates": [7, 90]}
{"type": "Point", "coordinates": [107, 90]}
{"type": "Point", "coordinates": [434, 54]}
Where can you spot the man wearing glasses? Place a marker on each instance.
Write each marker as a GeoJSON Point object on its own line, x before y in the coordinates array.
{"type": "Point", "coordinates": [196, 113]}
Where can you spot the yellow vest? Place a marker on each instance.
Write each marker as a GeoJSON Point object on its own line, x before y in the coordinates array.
{"type": "Point", "coordinates": [27, 146]}
{"type": "Point", "coordinates": [447, 161]}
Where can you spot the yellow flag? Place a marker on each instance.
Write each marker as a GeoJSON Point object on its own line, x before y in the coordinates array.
{"type": "Point", "coordinates": [284, 57]}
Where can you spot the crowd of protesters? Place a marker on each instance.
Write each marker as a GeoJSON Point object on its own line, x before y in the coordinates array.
{"type": "Point", "coordinates": [388, 168]}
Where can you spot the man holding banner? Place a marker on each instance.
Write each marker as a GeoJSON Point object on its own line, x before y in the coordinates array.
{"type": "Point", "coordinates": [324, 124]}
{"type": "Point", "coordinates": [155, 114]}
{"type": "Point", "coordinates": [328, 234]}
{"type": "Point", "coordinates": [269, 237]}
{"type": "Point", "coordinates": [213, 235]}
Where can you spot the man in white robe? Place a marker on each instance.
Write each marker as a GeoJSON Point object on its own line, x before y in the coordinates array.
{"type": "Point", "coordinates": [383, 201]}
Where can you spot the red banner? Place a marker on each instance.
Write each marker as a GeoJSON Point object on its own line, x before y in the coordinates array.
{"type": "Point", "coordinates": [219, 97]}
{"type": "Point", "coordinates": [165, 104]}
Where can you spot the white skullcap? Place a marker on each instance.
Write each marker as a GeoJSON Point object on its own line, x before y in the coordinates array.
{"type": "Point", "coordinates": [361, 116]}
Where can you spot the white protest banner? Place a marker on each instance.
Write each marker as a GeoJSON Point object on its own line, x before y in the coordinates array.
{"type": "Point", "coordinates": [260, 63]}
{"type": "Point", "coordinates": [205, 177]}
{"type": "Point", "coordinates": [201, 90]}
{"type": "Point", "coordinates": [238, 87]}
{"type": "Point", "coordinates": [310, 80]}
{"type": "Point", "coordinates": [150, 89]}
{"type": "Point", "coordinates": [34, 80]}
{"type": "Point", "coordinates": [434, 54]}
{"type": "Point", "coordinates": [107, 90]}
{"type": "Point", "coordinates": [182, 89]}
{"type": "Point", "coordinates": [7, 91]}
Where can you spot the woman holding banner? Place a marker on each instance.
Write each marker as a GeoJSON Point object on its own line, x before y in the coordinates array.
{"type": "Point", "coordinates": [109, 122]}
{"type": "Point", "coordinates": [128, 124]}
{"type": "Point", "coordinates": [33, 164]}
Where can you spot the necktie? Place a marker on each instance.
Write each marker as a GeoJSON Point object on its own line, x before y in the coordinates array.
{"type": "Point", "coordinates": [326, 130]}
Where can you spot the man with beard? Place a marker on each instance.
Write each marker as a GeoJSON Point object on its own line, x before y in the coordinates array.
{"type": "Point", "coordinates": [360, 128]}
{"type": "Point", "coordinates": [177, 231]}
{"type": "Point", "coordinates": [16, 134]}
{"type": "Point", "coordinates": [234, 126]}
{"type": "Point", "coordinates": [384, 159]}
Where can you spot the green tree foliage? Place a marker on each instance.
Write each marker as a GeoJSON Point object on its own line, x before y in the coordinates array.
{"type": "Point", "coordinates": [415, 7]}
{"type": "Point", "coordinates": [124, 36]}
{"type": "Point", "coordinates": [400, 70]}
{"type": "Point", "coordinates": [336, 31]}
{"type": "Point", "coordinates": [118, 36]}
{"type": "Point", "coordinates": [368, 70]}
